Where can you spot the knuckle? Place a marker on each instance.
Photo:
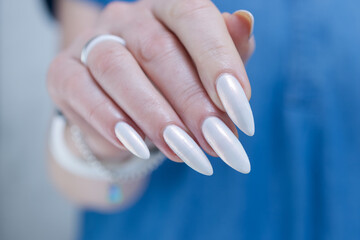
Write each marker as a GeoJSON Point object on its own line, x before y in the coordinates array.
{"type": "Point", "coordinates": [115, 9]}
{"type": "Point", "coordinates": [92, 114]}
{"type": "Point", "coordinates": [157, 46]}
{"type": "Point", "coordinates": [110, 62]}
{"type": "Point", "coordinates": [188, 8]}
{"type": "Point", "coordinates": [72, 83]}
{"type": "Point", "coordinates": [214, 49]}
{"type": "Point", "coordinates": [190, 96]}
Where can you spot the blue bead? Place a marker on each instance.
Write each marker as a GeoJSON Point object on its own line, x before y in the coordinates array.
{"type": "Point", "coordinates": [115, 194]}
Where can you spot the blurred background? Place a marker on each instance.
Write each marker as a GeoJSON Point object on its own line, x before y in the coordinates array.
{"type": "Point", "coordinates": [30, 208]}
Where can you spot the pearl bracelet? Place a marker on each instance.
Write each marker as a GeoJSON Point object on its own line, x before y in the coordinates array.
{"type": "Point", "coordinates": [90, 167]}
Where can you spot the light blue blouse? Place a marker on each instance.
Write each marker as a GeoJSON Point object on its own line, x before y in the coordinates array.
{"type": "Point", "coordinates": [305, 155]}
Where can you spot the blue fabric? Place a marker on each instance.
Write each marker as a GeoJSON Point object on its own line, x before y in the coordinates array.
{"type": "Point", "coordinates": [305, 155]}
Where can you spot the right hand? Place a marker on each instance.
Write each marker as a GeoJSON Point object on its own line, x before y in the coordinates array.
{"type": "Point", "coordinates": [166, 75]}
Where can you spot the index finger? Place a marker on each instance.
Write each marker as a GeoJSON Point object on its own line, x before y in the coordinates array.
{"type": "Point", "coordinates": [201, 28]}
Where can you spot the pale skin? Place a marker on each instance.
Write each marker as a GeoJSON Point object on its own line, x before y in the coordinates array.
{"type": "Point", "coordinates": [175, 51]}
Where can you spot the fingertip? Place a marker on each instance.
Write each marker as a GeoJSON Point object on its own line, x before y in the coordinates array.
{"type": "Point", "coordinates": [248, 17]}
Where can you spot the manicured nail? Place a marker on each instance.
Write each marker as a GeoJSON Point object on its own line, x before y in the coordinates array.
{"type": "Point", "coordinates": [250, 18]}
{"type": "Point", "coordinates": [235, 103]}
{"type": "Point", "coordinates": [187, 149]}
{"type": "Point", "coordinates": [131, 140]}
{"type": "Point", "coordinates": [225, 144]}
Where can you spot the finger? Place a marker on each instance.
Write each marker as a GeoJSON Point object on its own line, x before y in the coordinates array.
{"type": "Point", "coordinates": [202, 30]}
{"type": "Point", "coordinates": [167, 64]}
{"type": "Point", "coordinates": [72, 82]}
{"type": "Point", "coordinates": [240, 26]}
{"type": "Point", "coordinates": [118, 73]}
{"type": "Point", "coordinates": [100, 146]}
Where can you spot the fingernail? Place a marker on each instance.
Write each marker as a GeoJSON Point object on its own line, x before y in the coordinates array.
{"type": "Point", "coordinates": [235, 103]}
{"type": "Point", "coordinates": [131, 140]}
{"type": "Point", "coordinates": [250, 18]}
{"type": "Point", "coordinates": [187, 149]}
{"type": "Point", "coordinates": [225, 144]}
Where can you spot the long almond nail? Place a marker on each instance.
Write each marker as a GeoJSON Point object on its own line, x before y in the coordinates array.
{"type": "Point", "coordinates": [187, 149]}
{"type": "Point", "coordinates": [225, 144]}
{"type": "Point", "coordinates": [250, 18]}
{"type": "Point", "coordinates": [131, 140]}
{"type": "Point", "coordinates": [235, 103]}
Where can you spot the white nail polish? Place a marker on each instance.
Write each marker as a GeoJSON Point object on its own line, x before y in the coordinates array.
{"type": "Point", "coordinates": [235, 103]}
{"type": "Point", "coordinates": [131, 140]}
{"type": "Point", "coordinates": [225, 144]}
{"type": "Point", "coordinates": [187, 149]}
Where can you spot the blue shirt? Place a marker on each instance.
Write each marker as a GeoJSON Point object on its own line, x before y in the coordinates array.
{"type": "Point", "coordinates": [305, 155]}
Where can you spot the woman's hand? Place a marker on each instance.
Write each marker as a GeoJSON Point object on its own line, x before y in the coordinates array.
{"type": "Point", "coordinates": [182, 68]}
